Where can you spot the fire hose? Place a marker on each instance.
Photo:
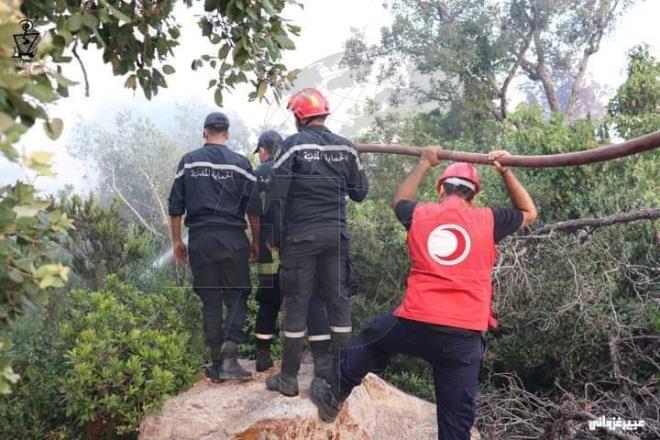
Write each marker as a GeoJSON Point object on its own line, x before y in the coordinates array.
{"type": "Point", "coordinates": [600, 154]}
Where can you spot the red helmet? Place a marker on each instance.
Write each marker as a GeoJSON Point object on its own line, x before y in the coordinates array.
{"type": "Point", "coordinates": [462, 173]}
{"type": "Point", "coordinates": [308, 103]}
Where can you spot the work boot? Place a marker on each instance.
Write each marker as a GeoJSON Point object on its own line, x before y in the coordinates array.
{"type": "Point", "coordinates": [213, 371]}
{"type": "Point", "coordinates": [263, 359]}
{"type": "Point", "coordinates": [283, 383]}
{"type": "Point", "coordinates": [323, 360]}
{"type": "Point", "coordinates": [230, 369]}
{"type": "Point", "coordinates": [325, 400]}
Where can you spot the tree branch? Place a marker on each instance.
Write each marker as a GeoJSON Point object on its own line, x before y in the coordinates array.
{"type": "Point", "coordinates": [127, 203]}
{"type": "Point", "coordinates": [74, 50]}
{"type": "Point", "coordinates": [512, 73]}
{"type": "Point", "coordinates": [163, 212]}
{"type": "Point", "coordinates": [572, 225]}
{"type": "Point", "coordinates": [544, 76]}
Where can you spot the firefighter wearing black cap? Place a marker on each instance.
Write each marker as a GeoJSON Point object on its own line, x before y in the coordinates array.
{"type": "Point", "coordinates": [213, 187]}
{"type": "Point", "coordinates": [268, 293]}
{"type": "Point", "coordinates": [313, 176]}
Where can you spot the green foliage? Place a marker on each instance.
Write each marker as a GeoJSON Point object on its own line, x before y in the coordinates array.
{"type": "Point", "coordinates": [101, 359]}
{"type": "Point", "coordinates": [126, 353]}
{"type": "Point", "coordinates": [136, 39]}
{"type": "Point", "coordinates": [34, 410]}
{"type": "Point", "coordinates": [568, 304]}
{"type": "Point", "coordinates": [103, 242]}
{"type": "Point", "coordinates": [411, 375]}
{"type": "Point", "coordinates": [563, 317]}
{"type": "Point", "coordinates": [464, 54]}
{"type": "Point", "coordinates": [28, 227]}
{"type": "Point", "coordinates": [635, 108]}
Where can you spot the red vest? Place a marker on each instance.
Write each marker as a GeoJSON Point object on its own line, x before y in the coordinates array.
{"type": "Point", "coordinates": [452, 254]}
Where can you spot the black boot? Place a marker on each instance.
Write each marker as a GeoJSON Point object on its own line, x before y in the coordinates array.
{"type": "Point", "coordinates": [263, 359]}
{"type": "Point", "coordinates": [323, 361]}
{"type": "Point", "coordinates": [328, 395]}
{"type": "Point", "coordinates": [286, 382]}
{"type": "Point", "coordinates": [213, 370]}
{"type": "Point", "coordinates": [230, 369]}
{"type": "Point", "coordinates": [283, 383]}
{"type": "Point", "coordinates": [325, 400]}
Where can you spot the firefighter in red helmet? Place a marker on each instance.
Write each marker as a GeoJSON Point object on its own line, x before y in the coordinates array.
{"type": "Point", "coordinates": [314, 175]}
{"type": "Point", "coordinates": [446, 308]}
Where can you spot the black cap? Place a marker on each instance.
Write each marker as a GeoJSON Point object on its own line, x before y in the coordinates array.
{"type": "Point", "coordinates": [217, 119]}
{"type": "Point", "coordinates": [270, 141]}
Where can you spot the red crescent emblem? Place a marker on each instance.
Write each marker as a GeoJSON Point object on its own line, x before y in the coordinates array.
{"type": "Point", "coordinates": [448, 244]}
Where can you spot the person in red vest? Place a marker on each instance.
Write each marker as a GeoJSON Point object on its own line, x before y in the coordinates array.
{"type": "Point", "coordinates": [446, 309]}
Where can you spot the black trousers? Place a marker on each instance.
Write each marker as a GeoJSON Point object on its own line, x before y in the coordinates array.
{"type": "Point", "coordinates": [455, 358]}
{"type": "Point", "coordinates": [219, 261]}
{"type": "Point", "coordinates": [270, 300]}
{"type": "Point", "coordinates": [314, 264]}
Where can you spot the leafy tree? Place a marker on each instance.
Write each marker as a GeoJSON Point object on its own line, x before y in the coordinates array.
{"type": "Point", "coordinates": [103, 242]}
{"type": "Point", "coordinates": [470, 51]}
{"type": "Point", "coordinates": [132, 158]}
{"type": "Point", "coordinates": [136, 39]}
{"type": "Point", "coordinates": [635, 109]}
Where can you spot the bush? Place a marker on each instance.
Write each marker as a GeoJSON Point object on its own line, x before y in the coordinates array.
{"type": "Point", "coordinates": [34, 409]}
{"type": "Point", "coordinates": [101, 360]}
{"type": "Point", "coordinates": [126, 353]}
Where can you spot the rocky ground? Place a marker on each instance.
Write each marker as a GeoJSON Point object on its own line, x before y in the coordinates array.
{"type": "Point", "coordinates": [248, 411]}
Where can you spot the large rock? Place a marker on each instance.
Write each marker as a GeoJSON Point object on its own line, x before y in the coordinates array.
{"type": "Point", "coordinates": [248, 411]}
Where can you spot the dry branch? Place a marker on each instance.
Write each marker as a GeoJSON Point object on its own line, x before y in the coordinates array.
{"type": "Point", "coordinates": [572, 225]}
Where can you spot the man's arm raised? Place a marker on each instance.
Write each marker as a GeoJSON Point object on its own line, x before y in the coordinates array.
{"type": "Point", "coordinates": [519, 196]}
{"type": "Point", "coordinates": [408, 189]}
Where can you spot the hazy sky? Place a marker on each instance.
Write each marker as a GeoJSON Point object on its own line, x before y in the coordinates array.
{"type": "Point", "coordinates": [325, 27]}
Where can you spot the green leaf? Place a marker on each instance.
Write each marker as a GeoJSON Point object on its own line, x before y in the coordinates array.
{"type": "Point", "coordinates": [131, 82]}
{"type": "Point", "coordinates": [53, 128]}
{"type": "Point", "coordinates": [210, 5]}
{"type": "Point", "coordinates": [268, 7]}
{"type": "Point", "coordinates": [218, 96]}
{"type": "Point", "coordinates": [6, 121]}
{"type": "Point", "coordinates": [261, 89]}
{"type": "Point", "coordinates": [116, 12]}
{"type": "Point", "coordinates": [25, 211]}
{"type": "Point", "coordinates": [41, 91]}
{"type": "Point", "coordinates": [74, 23]}
{"type": "Point", "coordinates": [62, 80]}
{"type": "Point", "coordinates": [168, 70]}
{"type": "Point", "coordinates": [223, 51]}
{"type": "Point", "coordinates": [89, 20]}
{"type": "Point", "coordinates": [285, 42]}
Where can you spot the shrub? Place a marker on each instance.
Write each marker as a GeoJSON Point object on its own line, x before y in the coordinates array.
{"type": "Point", "coordinates": [126, 352]}
{"type": "Point", "coordinates": [34, 409]}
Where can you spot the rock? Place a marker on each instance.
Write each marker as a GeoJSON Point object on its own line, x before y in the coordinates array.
{"type": "Point", "coordinates": [248, 411]}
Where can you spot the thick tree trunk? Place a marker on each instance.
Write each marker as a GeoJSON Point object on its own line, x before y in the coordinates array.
{"type": "Point", "coordinates": [600, 154]}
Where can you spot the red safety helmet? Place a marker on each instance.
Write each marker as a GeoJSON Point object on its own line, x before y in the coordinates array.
{"type": "Point", "coordinates": [461, 171]}
{"type": "Point", "coordinates": [308, 103]}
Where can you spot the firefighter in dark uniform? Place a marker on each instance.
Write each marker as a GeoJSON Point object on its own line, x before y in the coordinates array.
{"type": "Point", "coordinates": [268, 293]}
{"type": "Point", "coordinates": [213, 187]}
{"type": "Point", "coordinates": [446, 309]}
{"type": "Point", "coordinates": [313, 176]}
